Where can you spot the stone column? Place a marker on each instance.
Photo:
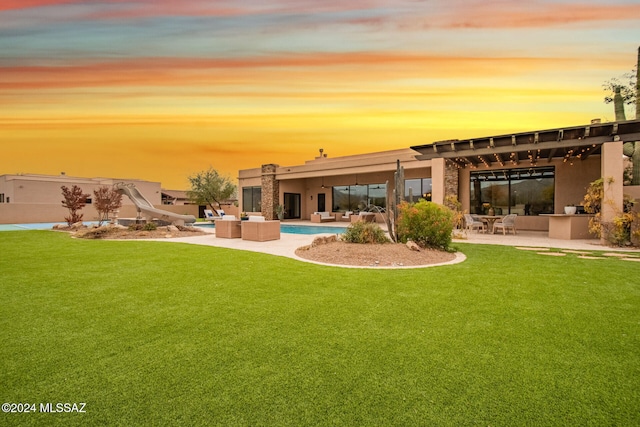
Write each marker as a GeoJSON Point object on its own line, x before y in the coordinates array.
{"type": "Point", "coordinates": [270, 191]}
{"type": "Point", "coordinates": [451, 180]}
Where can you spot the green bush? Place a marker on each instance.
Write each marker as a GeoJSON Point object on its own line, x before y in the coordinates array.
{"type": "Point", "coordinates": [364, 232]}
{"type": "Point", "coordinates": [426, 223]}
{"type": "Point", "coordinates": [149, 226]}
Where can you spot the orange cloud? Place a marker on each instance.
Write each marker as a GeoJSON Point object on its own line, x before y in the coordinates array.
{"type": "Point", "coordinates": [511, 14]}
{"type": "Point", "coordinates": [27, 4]}
{"type": "Point", "coordinates": [315, 68]}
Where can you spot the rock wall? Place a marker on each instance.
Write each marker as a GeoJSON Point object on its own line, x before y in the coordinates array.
{"type": "Point", "coordinates": [270, 191]}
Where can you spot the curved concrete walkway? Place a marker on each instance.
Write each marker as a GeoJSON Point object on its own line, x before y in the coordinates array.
{"type": "Point", "coordinates": [288, 243]}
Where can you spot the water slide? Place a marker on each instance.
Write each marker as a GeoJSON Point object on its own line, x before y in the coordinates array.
{"type": "Point", "coordinates": [145, 206]}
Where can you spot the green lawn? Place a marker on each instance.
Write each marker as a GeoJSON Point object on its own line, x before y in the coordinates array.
{"type": "Point", "coordinates": [155, 333]}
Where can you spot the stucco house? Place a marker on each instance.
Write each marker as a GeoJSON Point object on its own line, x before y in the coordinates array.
{"type": "Point", "coordinates": [534, 174]}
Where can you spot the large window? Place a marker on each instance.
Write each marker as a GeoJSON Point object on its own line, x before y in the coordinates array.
{"type": "Point", "coordinates": [415, 189]}
{"type": "Point", "coordinates": [521, 191]}
{"type": "Point", "coordinates": [359, 197]}
{"type": "Point", "coordinates": [252, 199]}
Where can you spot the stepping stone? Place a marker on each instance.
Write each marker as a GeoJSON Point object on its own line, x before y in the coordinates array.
{"type": "Point", "coordinates": [619, 255]}
{"type": "Point", "coordinates": [569, 251]}
{"type": "Point", "coordinates": [552, 253]}
{"type": "Point", "coordinates": [631, 259]}
{"type": "Point", "coordinates": [531, 249]}
{"type": "Point", "coordinates": [591, 257]}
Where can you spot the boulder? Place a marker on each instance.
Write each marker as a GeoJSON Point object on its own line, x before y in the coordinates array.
{"type": "Point", "coordinates": [323, 240]}
{"type": "Point", "coordinates": [413, 246]}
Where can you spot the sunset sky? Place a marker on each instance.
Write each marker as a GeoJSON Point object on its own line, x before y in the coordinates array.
{"type": "Point", "coordinates": [160, 89]}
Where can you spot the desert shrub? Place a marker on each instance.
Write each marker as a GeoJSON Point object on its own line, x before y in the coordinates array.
{"type": "Point", "coordinates": [426, 223]}
{"type": "Point", "coordinates": [364, 232]}
{"type": "Point", "coordinates": [454, 204]}
{"type": "Point", "coordinates": [149, 226]}
{"type": "Point", "coordinates": [618, 232]}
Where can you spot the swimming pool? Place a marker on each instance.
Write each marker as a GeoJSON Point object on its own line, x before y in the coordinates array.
{"type": "Point", "coordinates": [284, 228]}
{"type": "Point", "coordinates": [37, 226]}
{"type": "Point", "coordinates": [298, 229]}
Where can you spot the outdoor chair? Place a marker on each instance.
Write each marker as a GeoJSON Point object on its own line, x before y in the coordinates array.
{"type": "Point", "coordinates": [363, 216]}
{"type": "Point", "coordinates": [471, 223]}
{"type": "Point", "coordinates": [322, 217]}
{"type": "Point", "coordinates": [507, 222]}
{"type": "Point", "coordinates": [345, 217]}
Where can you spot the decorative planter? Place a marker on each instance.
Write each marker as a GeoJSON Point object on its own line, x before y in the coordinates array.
{"type": "Point", "coordinates": [570, 210]}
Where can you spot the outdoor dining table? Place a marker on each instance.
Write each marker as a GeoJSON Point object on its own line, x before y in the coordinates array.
{"type": "Point", "coordinates": [490, 220]}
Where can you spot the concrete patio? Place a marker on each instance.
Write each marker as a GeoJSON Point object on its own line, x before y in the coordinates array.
{"type": "Point", "coordinates": [288, 243]}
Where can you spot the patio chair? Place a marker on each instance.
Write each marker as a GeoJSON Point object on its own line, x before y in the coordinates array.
{"type": "Point", "coordinates": [472, 223]}
{"type": "Point", "coordinates": [208, 214]}
{"type": "Point", "coordinates": [507, 222]}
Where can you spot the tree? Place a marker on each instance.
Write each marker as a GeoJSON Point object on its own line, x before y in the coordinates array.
{"type": "Point", "coordinates": [107, 200]}
{"type": "Point", "coordinates": [74, 200]}
{"type": "Point", "coordinates": [210, 188]}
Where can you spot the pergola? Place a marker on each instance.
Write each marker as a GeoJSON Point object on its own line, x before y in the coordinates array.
{"type": "Point", "coordinates": [531, 148]}
{"type": "Point", "coordinates": [538, 148]}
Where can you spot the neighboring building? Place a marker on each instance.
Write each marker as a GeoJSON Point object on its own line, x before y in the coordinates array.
{"type": "Point", "coordinates": [531, 174]}
{"type": "Point", "coordinates": [27, 198]}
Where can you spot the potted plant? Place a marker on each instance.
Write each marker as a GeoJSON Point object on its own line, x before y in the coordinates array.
{"type": "Point", "coordinates": [280, 212]}
{"type": "Point", "coordinates": [570, 209]}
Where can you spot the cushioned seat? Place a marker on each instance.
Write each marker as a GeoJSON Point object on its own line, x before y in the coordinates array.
{"type": "Point", "coordinates": [472, 223]}
{"type": "Point", "coordinates": [508, 222]}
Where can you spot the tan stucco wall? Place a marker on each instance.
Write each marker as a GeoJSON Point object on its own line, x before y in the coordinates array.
{"type": "Point", "coordinates": [25, 213]}
{"type": "Point", "coordinates": [38, 198]}
{"type": "Point", "coordinates": [36, 189]}
{"type": "Point", "coordinates": [572, 181]}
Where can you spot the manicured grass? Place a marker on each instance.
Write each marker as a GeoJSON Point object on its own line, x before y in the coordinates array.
{"type": "Point", "coordinates": [154, 333]}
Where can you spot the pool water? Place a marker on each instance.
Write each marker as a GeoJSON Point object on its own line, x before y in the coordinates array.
{"type": "Point", "coordinates": [299, 229]}
{"type": "Point", "coordinates": [37, 226]}
{"type": "Point", "coordinates": [284, 228]}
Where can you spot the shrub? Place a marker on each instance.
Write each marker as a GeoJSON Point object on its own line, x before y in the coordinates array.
{"type": "Point", "coordinates": [456, 207]}
{"type": "Point", "coordinates": [426, 223]}
{"type": "Point", "coordinates": [618, 232]}
{"type": "Point", "coordinates": [364, 232]}
{"type": "Point", "coordinates": [149, 226]}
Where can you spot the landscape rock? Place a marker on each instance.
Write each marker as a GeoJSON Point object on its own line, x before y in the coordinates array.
{"type": "Point", "coordinates": [323, 240]}
{"type": "Point", "coordinates": [413, 246]}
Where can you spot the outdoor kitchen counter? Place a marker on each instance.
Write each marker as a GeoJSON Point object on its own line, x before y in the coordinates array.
{"type": "Point", "coordinates": [569, 227]}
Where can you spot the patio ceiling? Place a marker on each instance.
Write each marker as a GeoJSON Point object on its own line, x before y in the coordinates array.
{"type": "Point", "coordinates": [531, 148]}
